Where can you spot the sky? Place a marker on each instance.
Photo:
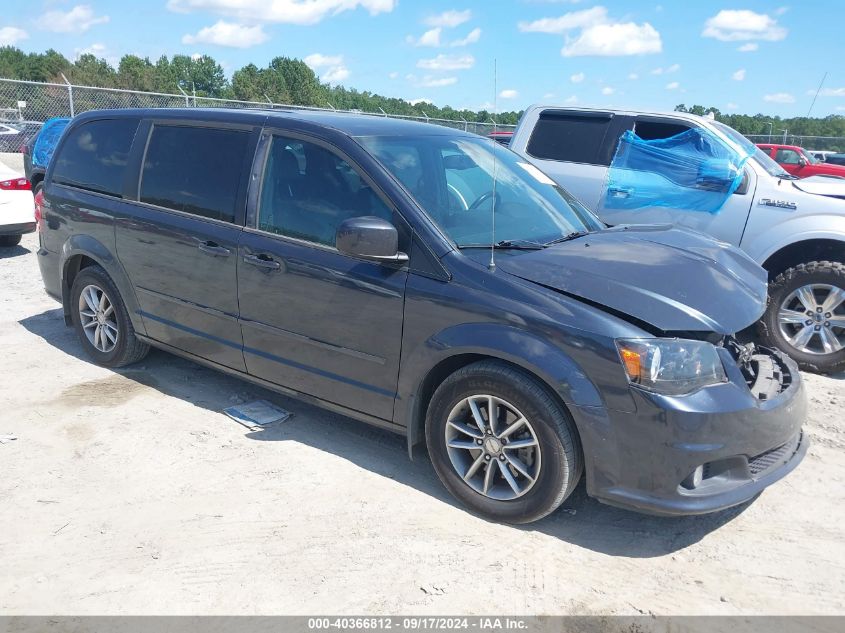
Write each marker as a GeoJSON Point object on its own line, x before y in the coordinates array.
{"type": "Point", "coordinates": [743, 56]}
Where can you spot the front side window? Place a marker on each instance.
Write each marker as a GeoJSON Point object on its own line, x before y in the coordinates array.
{"type": "Point", "coordinates": [787, 157]}
{"type": "Point", "coordinates": [194, 169]}
{"type": "Point", "coordinates": [461, 181]}
{"type": "Point", "coordinates": [94, 156]}
{"type": "Point", "coordinates": [308, 191]}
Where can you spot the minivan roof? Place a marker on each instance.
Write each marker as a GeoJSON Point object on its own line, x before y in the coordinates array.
{"type": "Point", "coordinates": [351, 124]}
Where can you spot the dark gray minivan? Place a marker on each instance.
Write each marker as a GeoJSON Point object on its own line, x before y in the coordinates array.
{"type": "Point", "coordinates": [431, 282]}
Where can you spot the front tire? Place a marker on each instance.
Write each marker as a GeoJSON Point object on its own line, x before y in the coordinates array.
{"type": "Point", "coordinates": [101, 320]}
{"type": "Point", "coordinates": [518, 469]}
{"type": "Point", "coordinates": [805, 317]}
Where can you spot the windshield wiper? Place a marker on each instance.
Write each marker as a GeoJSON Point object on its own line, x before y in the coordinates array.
{"type": "Point", "coordinates": [524, 245]}
{"type": "Point", "coordinates": [570, 236]}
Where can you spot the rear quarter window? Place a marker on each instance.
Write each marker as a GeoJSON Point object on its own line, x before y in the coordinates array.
{"type": "Point", "coordinates": [571, 137]}
{"type": "Point", "coordinates": [95, 154]}
{"type": "Point", "coordinates": [194, 169]}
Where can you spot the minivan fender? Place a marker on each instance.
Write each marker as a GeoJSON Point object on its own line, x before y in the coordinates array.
{"type": "Point", "coordinates": [799, 229]}
{"type": "Point", "coordinates": [87, 246]}
{"type": "Point", "coordinates": [429, 364]}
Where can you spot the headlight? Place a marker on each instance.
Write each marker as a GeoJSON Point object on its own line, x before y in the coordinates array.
{"type": "Point", "coordinates": [670, 366]}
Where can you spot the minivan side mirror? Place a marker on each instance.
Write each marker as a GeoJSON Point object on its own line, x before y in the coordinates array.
{"type": "Point", "coordinates": [370, 237]}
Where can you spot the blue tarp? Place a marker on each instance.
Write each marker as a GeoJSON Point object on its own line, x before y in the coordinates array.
{"type": "Point", "coordinates": [693, 170]}
{"type": "Point", "coordinates": [47, 140]}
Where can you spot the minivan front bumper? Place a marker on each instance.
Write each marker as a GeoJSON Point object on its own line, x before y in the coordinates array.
{"type": "Point", "coordinates": [704, 452]}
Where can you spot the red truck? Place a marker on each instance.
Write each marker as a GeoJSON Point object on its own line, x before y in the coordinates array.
{"type": "Point", "coordinates": [799, 162]}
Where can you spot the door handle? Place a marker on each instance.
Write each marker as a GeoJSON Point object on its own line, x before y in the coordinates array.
{"type": "Point", "coordinates": [262, 261]}
{"type": "Point", "coordinates": [214, 249]}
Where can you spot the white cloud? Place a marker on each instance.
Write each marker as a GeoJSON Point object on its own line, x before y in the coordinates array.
{"type": "Point", "coordinates": [572, 99]}
{"type": "Point", "coordinates": [607, 90]}
{"type": "Point", "coordinates": [447, 62]}
{"type": "Point", "coordinates": [781, 10]}
{"type": "Point", "coordinates": [449, 19]}
{"type": "Point", "coordinates": [840, 108]}
{"type": "Point", "coordinates": [548, 95]}
{"type": "Point", "coordinates": [414, 102]}
{"type": "Point", "coordinates": [394, 75]}
{"type": "Point", "coordinates": [566, 22]}
{"type": "Point", "coordinates": [669, 69]}
{"type": "Point", "coordinates": [731, 106]}
{"type": "Point", "coordinates": [749, 47]}
{"type": "Point", "coordinates": [224, 33]}
{"type": "Point", "coordinates": [335, 74]}
{"type": "Point", "coordinates": [739, 75]}
{"type": "Point", "coordinates": [611, 40]}
{"type": "Point", "coordinates": [335, 71]}
{"type": "Point", "coordinates": [509, 94]}
{"type": "Point", "coordinates": [284, 11]}
{"type": "Point", "coordinates": [11, 35]}
{"type": "Point", "coordinates": [577, 78]}
{"type": "Point", "coordinates": [472, 37]}
{"type": "Point", "coordinates": [78, 20]}
{"type": "Point", "coordinates": [318, 60]}
{"type": "Point", "coordinates": [633, 76]}
{"type": "Point", "coordinates": [739, 25]}
{"type": "Point", "coordinates": [779, 97]}
{"type": "Point", "coordinates": [96, 49]}
{"type": "Point", "coordinates": [429, 38]}
{"type": "Point", "coordinates": [829, 92]}
{"type": "Point", "coordinates": [437, 82]}
{"type": "Point", "coordinates": [674, 85]}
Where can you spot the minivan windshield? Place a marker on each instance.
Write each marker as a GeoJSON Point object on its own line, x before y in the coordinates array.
{"type": "Point", "coordinates": [459, 181]}
{"type": "Point", "coordinates": [762, 158]}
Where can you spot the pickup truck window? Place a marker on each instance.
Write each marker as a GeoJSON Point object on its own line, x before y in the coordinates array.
{"type": "Point", "coordinates": [787, 157]}
{"type": "Point", "coordinates": [570, 137]}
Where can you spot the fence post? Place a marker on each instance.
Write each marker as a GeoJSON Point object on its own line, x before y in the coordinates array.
{"type": "Point", "coordinates": [69, 95]}
{"type": "Point", "coordinates": [184, 94]}
{"type": "Point", "coordinates": [382, 111]}
{"type": "Point", "coordinates": [465, 125]}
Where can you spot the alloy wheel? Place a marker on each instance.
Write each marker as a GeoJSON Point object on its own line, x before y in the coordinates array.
{"type": "Point", "coordinates": [98, 318]}
{"type": "Point", "coordinates": [812, 319]}
{"type": "Point", "coordinates": [493, 447]}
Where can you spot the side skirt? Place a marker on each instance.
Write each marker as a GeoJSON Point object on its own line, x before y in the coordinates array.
{"type": "Point", "coordinates": [303, 397]}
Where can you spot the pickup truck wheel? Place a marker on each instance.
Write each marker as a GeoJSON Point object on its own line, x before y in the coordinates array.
{"type": "Point", "coordinates": [101, 320]}
{"type": "Point", "coordinates": [806, 316]}
{"type": "Point", "coordinates": [7, 241]}
{"type": "Point", "coordinates": [501, 444]}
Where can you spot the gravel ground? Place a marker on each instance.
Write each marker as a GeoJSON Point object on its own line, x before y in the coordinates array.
{"type": "Point", "coordinates": [129, 492]}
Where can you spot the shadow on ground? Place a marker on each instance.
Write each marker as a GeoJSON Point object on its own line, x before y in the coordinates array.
{"type": "Point", "coordinates": [7, 252]}
{"type": "Point", "coordinates": [581, 521]}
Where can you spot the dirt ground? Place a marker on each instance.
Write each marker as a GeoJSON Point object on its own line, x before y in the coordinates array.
{"type": "Point", "coordinates": [129, 492]}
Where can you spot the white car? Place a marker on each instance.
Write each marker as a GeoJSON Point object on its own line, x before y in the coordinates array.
{"type": "Point", "coordinates": [794, 229]}
{"type": "Point", "coordinates": [17, 207]}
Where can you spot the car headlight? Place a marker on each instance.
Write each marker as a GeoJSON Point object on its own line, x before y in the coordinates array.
{"type": "Point", "coordinates": [670, 366]}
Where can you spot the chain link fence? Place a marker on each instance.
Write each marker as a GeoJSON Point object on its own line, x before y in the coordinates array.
{"type": "Point", "coordinates": [25, 105]}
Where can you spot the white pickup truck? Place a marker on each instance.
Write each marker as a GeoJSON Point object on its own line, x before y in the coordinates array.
{"type": "Point", "coordinates": [794, 228]}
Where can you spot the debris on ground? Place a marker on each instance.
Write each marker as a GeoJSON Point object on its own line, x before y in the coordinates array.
{"type": "Point", "coordinates": [257, 414]}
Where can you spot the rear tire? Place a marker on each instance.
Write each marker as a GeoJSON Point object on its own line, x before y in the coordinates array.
{"type": "Point", "coordinates": [7, 241]}
{"type": "Point", "coordinates": [526, 482]}
{"type": "Point", "coordinates": [788, 320]}
{"type": "Point", "coordinates": [107, 335]}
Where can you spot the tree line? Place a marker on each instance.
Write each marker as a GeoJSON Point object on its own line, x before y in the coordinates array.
{"type": "Point", "coordinates": [283, 80]}
{"type": "Point", "coordinates": [292, 81]}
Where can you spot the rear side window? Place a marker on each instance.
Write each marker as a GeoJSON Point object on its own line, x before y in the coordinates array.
{"type": "Point", "coordinates": [570, 137]}
{"type": "Point", "coordinates": [94, 156]}
{"type": "Point", "coordinates": [654, 130]}
{"type": "Point", "coordinates": [194, 169]}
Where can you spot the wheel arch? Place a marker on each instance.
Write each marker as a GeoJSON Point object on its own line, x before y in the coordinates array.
{"type": "Point", "coordinates": [82, 251]}
{"type": "Point", "coordinates": [548, 365]}
{"type": "Point", "coordinates": [804, 251]}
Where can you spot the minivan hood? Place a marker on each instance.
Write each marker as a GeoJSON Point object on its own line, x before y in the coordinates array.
{"type": "Point", "coordinates": [673, 279]}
